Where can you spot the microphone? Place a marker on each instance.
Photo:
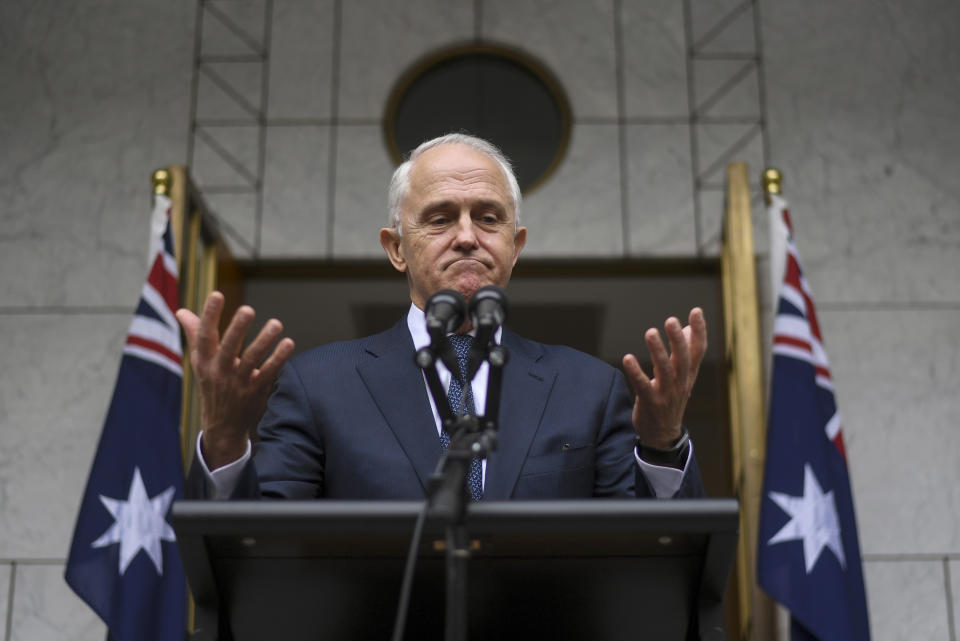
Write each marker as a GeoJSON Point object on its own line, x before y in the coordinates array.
{"type": "Point", "coordinates": [488, 310]}
{"type": "Point", "coordinates": [445, 313]}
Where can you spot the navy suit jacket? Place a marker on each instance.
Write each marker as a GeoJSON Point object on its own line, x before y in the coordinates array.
{"type": "Point", "coordinates": [352, 420]}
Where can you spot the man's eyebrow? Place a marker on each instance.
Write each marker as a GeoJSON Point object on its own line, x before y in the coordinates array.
{"type": "Point", "coordinates": [452, 204]}
{"type": "Point", "coordinates": [438, 204]}
{"type": "Point", "coordinates": [492, 204]}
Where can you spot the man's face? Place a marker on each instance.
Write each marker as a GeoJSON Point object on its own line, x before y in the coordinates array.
{"type": "Point", "coordinates": [458, 225]}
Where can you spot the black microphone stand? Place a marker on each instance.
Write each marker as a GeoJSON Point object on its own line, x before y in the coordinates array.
{"type": "Point", "coordinates": [447, 494]}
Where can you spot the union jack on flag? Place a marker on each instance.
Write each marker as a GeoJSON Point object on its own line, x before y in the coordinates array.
{"type": "Point", "coordinates": [154, 334]}
{"type": "Point", "coordinates": [809, 555]}
{"type": "Point", "coordinates": [123, 559]}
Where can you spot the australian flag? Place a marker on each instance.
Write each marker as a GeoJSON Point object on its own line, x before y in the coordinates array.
{"type": "Point", "coordinates": [123, 560]}
{"type": "Point", "coordinates": [808, 557]}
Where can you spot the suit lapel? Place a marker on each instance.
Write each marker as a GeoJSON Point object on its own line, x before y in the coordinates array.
{"type": "Point", "coordinates": [526, 387]}
{"type": "Point", "coordinates": [396, 385]}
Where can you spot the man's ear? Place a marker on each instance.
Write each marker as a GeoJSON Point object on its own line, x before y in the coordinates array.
{"type": "Point", "coordinates": [519, 240]}
{"type": "Point", "coordinates": [390, 240]}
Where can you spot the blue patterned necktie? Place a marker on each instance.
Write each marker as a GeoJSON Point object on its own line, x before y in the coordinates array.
{"type": "Point", "coordinates": [455, 394]}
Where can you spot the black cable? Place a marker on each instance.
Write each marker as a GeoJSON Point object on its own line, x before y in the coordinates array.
{"type": "Point", "coordinates": [401, 620]}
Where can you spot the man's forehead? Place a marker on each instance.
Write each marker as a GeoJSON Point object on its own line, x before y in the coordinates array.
{"type": "Point", "coordinates": [456, 162]}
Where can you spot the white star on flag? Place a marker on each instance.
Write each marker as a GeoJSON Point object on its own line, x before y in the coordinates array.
{"type": "Point", "coordinates": [813, 519]}
{"type": "Point", "coordinates": [139, 524]}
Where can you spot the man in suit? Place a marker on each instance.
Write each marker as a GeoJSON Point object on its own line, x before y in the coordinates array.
{"type": "Point", "coordinates": [354, 419]}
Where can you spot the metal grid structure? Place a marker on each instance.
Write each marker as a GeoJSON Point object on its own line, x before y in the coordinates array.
{"type": "Point", "coordinates": [232, 115]}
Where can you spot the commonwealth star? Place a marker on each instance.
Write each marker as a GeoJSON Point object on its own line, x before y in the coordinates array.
{"type": "Point", "coordinates": [813, 520]}
{"type": "Point", "coordinates": [139, 523]}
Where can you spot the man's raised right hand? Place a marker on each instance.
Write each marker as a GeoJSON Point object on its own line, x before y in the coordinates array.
{"type": "Point", "coordinates": [233, 382]}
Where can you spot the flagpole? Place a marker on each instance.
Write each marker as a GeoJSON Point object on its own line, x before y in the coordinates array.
{"type": "Point", "coordinates": [165, 183]}
{"type": "Point", "coordinates": [772, 180]}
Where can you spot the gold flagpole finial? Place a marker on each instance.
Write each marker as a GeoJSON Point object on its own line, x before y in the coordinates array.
{"type": "Point", "coordinates": [161, 182]}
{"type": "Point", "coordinates": [772, 181]}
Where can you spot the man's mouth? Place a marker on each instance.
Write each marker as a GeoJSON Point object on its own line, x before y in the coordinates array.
{"type": "Point", "coordinates": [465, 259]}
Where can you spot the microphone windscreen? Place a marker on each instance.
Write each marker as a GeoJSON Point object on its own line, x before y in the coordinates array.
{"type": "Point", "coordinates": [488, 306]}
{"type": "Point", "coordinates": [445, 311]}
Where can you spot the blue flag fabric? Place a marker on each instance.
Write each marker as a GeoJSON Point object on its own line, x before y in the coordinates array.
{"type": "Point", "coordinates": [123, 559]}
{"type": "Point", "coordinates": [809, 556]}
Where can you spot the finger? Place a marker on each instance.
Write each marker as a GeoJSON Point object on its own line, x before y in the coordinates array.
{"type": "Point", "coordinates": [697, 339]}
{"type": "Point", "coordinates": [662, 369]}
{"type": "Point", "coordinates": [639, 380]}
{"type": "Point", "coordinates": [189, 322]}
{"type": "Point", "coordinates": [258, 349]}
{"type": "Point", "coordinates": [679, 350]}
{"type": "Point", "coordinates": [233, 337]}
{"type": "Point", "coordinates": [208, 336]}
{"type": "Point", "coordinates": [279, 356]}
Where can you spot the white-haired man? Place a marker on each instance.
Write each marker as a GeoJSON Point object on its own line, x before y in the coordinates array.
{"type": "Point", "coordinates": [354, 420]}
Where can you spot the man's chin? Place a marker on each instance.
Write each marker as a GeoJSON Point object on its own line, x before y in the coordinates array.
{"type": "Point", "coordinates": [467, 290]}
{"type": "Point", "coordinates": [469, 286]}
{"type": "Point", "coordinates": [465, 280]}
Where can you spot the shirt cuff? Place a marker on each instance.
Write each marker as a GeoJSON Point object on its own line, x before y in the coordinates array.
{"type": "Point", "coordinates": [222, 481]}
{"type": "Point", "coordinates": [664, 480]}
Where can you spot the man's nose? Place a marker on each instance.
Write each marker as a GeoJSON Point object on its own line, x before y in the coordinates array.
{"type": "Point", "coordinates": [466, 234]}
